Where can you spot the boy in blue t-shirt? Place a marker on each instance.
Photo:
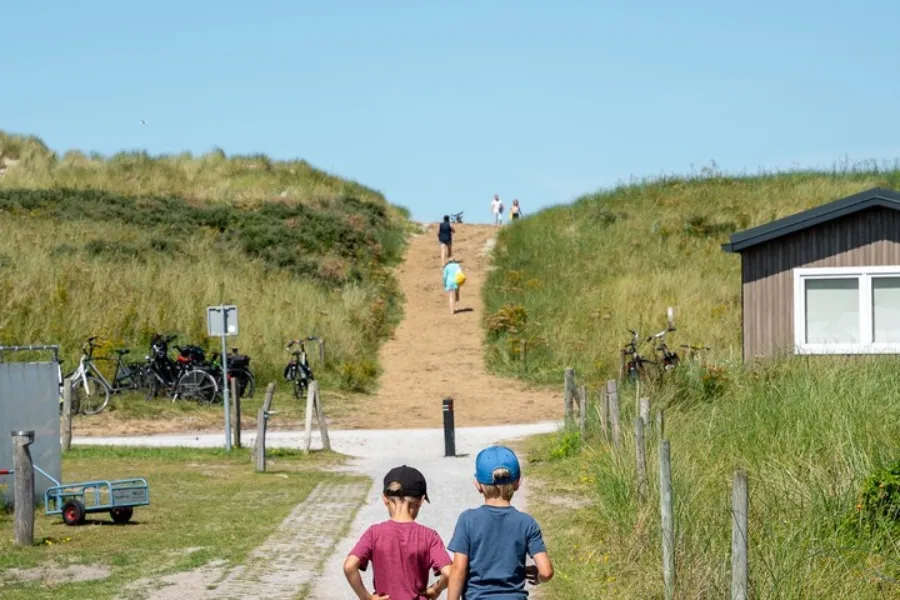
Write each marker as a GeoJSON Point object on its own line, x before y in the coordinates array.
{"type": "Point", "coordinates": [490, 542]}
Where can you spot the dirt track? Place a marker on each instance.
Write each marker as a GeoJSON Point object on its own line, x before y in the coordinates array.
{"type": "Point", "coordinates": [434, 354]}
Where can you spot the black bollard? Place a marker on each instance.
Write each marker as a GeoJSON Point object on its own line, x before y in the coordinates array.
{"type": "Point", "coordinates": [449, 432]}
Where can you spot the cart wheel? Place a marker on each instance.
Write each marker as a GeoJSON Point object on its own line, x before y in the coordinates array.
{"type": "Point", "coordinates": [121, 515]}
{"type": "Point", "coordinates": [73, 512]}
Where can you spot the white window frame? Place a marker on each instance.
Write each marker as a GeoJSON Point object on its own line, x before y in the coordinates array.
{"type": "Point", "coordinates": [864, 276]}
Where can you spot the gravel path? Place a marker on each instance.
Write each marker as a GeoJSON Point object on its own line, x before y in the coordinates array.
{"type": "Point", "coordinates": [373, 453]}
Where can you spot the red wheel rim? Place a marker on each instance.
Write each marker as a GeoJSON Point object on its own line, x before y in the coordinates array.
{"type": "Point", "coordinates": [71, 513]}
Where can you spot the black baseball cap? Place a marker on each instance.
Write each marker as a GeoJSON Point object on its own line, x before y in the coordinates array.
{"type": "Point", "coordinates": [412, 483]}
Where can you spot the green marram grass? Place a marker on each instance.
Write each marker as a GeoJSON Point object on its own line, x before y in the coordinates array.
{"type": "Point", "coordinates": [809, 431]}
{"type": "Point", "coordinates": [807, 434]}
{"type": "Point", "coordinates": [128, 246]}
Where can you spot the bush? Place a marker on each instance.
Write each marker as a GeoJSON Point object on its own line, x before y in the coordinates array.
{"type": "Point", "coordinates": [358, 376]}
{"type": "Point", "coordinates": [879, 498]}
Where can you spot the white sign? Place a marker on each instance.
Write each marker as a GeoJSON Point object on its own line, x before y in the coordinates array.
{"type": "Point", "coordinates": [222, 320]}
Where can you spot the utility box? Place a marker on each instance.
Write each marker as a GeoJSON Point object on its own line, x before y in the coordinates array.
{"type": "Point", "coordinates": [29, 400]}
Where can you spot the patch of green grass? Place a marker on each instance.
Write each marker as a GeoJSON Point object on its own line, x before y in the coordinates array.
{"type": "Point", "coordinates": [205, 500]}
{"type": "Point", "coordinates": [132, 245]}
{"type": "Point", "coordinates": [808, 432]}
{"type": "Point", "coordinates": [571, 280]}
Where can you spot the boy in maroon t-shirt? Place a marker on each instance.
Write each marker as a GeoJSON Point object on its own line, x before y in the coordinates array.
{"type": "Point", "coordinates": [401, 551]}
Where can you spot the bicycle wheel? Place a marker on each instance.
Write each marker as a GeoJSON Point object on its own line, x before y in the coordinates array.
{"type": "Point", "coordinates": [246, 382]}
{"type": "Point", "coordinates": [300, 386]}
{"type": "Point", "coordinates": [93, 400]}
{"type": "Point", "coordinates": [197, 385]}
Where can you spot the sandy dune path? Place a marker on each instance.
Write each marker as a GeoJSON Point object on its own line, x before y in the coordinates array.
{"type": "Point", "coordinates": [434, 355]}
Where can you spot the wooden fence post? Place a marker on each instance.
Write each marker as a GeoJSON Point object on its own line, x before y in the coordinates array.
{"type": "Point", "coordinates": [668, 524]}
{"type": "Point", "coordinates": [320, 417]}
{"type": "Point", "coordinates": [582, 410]}
{"type": "Point", "coordinates": [237, 412]}
{"type": "Point", "coordinates": [258, 455]}
{"type": "Point", "coordinates": [23, 528]}
{"type": "Point", "coordinates": [310, 399]}
{"type": "Point", "coordinates": [641, 458]}
{"type": "Point", "coordinates": [322, 351]}
{"type": "Point", "coordinates": [568, 394]}
{"type": "Point", "coordinates": [259, 448]}
{"type": "Point", "coordinates": [67, 415]}
{"type": "Point", "coordinates": [614, 414]}
{"type": "Point", "coordinates": [523, 354]}
{"type": "Point", "coordinates": [644, 411]}
{"type": "Point", "coordinates": [739, 508]}
{"type": "Point", "coordinates": [661, 423]}
{"type": "Point", "coordinates": [604, 412]}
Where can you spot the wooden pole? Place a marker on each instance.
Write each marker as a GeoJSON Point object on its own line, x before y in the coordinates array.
{"type": "Point", "coordinates": [739, 559]}
{"type": "Point", "coordinates": [260, 441]}
{"type": "Point", "coordinates": [582, 410]}
{"type": "Point", "coordinates": [259, 448]}
{"type": "Point", "coordinates": [523, 354]}
{"type": "Point", "coordinates": [668, 523]}
{"type": "Point", "coordinates": [320, 417]}
{"type": "Point", "coordinates": [322, 351]}
{"type": "Point", "coordinates": [641, 459]}
{"type": "Point", "coordinates": [310, 400]}
{"type": "Point", "coordinates": [237, 412]}
{"type": "Point", "coordinates": [604, 411]}
{"type": "Point", "coordinates": [661, 423]}
{"type": "Point", "coordinates": [645, 411]}
{"type": "Point", "coordinates": [23, 528]}
{"type": "Point", "coordinates": [568, 394]}
{"type": "Point", "coordinates": [614, 415]}
{"type": "Point", "coordinates": [67, 415]}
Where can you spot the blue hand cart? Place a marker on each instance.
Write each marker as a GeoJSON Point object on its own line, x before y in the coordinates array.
{"type": "Point", "coordinates": [75, 500]}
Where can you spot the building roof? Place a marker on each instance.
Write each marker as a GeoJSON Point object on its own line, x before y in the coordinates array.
{"type": "Point", "coordinates": [767, 232]}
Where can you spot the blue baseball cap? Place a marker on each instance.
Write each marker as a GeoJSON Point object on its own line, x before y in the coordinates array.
{"type": "Point", "coordinates": [493, 458]}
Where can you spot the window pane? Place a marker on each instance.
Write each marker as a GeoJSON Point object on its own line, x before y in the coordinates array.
{"type": "Point", "coordinates": [885, 310]}
{"type": "Point", "coordinates": [832, 311]}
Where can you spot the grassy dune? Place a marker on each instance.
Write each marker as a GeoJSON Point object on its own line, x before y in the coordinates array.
{"type": "Point", "coordinates": [125, 247]}
{"type": "Point", "coordinates": [818, 437]}
{"type": "Point", "coordinates": [573, 279]}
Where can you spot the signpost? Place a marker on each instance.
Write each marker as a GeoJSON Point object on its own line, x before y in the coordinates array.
{"type": "Point", "coordinates": [222, 321]}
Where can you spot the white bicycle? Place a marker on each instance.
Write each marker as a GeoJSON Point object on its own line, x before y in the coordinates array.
{"type": "Point", "coordinates": [90, 390]}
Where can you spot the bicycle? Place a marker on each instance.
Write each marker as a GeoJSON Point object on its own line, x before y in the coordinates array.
{"type": "Point", "coordinates": [179, 379]}
{"type": "Point", "coordinates": [456, 217]}
{"type": "Point", "coordinates": [668, 359]}
{"type": "Point", "coordinates": [90, 389]}
{"type": "Point", "coordinates": [634, 367]}
{"type": "Point", "coordinates": [238, 367]}
{"type": "Point", "coordinates": [297, 370]}
{"type": "Point", "coordinates": [127, 377]}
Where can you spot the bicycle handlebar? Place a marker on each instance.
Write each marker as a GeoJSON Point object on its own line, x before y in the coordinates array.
{"type": "Point", "coordinates": [311, 338]}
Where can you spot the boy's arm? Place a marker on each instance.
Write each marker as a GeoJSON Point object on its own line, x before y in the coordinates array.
{"type": "Point", "coordinates": [457, 579]}
{"type": "Point", "coordinates": [351, 572]}
{"type": "Point", "coordinates": [433, 592]}
{"type": "Point", "coordinates": [544, 567]}
{"type": "Point", "coordinates": [534, 545]}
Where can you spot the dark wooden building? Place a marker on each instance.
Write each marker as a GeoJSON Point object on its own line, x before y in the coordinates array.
{"type": "Point", "coordinates": [823, 281]}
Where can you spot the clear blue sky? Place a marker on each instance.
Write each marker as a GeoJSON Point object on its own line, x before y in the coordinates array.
{"type": "Point", "coordinates": [441, 104]}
